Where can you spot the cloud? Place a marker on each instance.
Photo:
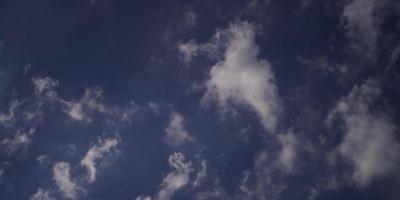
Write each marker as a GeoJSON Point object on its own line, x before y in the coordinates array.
{"type": "Point", "coordinates": [188, 50]}
{"type": "Point", "coordinates": [41, 195]}
{"type": "Point", "coordinates": [176, 179]}
{"type": "Point", "coordinates": [67, 186]}
{"type": "Point", "coordinates": [201, 174]}
{"type": "Point", "coordinates": [369, 143]}
{"type": "Point", "coordinates": [84, 108]}
{"type": "Point", "coordinates": [242, 78]}
{"type": "Point", "coordinates": [21, 140]}
{"type": "Point", "coordinates": [363, 19]}
{"type": "Point", "coordinates": [190, 17]}
{"type": "Point", "coordinates": [143, 198]}
{"type": "Point", "coordinates": [268, 180]}
{"type": "Point", "coordinates": [6, 118]}
{"type": "Point", "coordinates": [79, 109]}
{"type": "Point", "coordinates": [97, 152]}
{"type": "Point", "coordinates": [44, 87]}
{"type": "Point", "coordinates": [176, 133]}
{"type": "Point", "coordinates": [288, 154]}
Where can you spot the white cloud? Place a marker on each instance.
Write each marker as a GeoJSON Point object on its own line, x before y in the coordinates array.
{"type": "Point", "coordinates": [363, 19]}
{"type": "Point", "coordinates": [201, 174]}
{"type": "Point", "coordinates": [67, 186]}
{"type": "Point", "coordinates": [21, 140]}
{"type": "Point", "coordinates": [44, 87]}
{"type": "Point", "coordinates": [188, 50]}
{"type": "Point", "coordinates": [369, 143]}
{"type": "Point", "coordinates": [180, 176]}
{"type": "Point", "coordinates": [41, 195]}
{"type": "Point", "coordinates": [242, 78]}
{"type": "Point", "coordinates": [176, 179]}
{"type": "Point", "coordinates": [94, 156]}
{"type": "Point", "coordinates": [288, 154]}
{"type": "Point", "coordinates": [143, 198]}
{"type": "Point", "coordinates": [190, 17]}
{"type": "Point", "coordinates": [6, 118]}
{"type": "Point", "coordinates": [176, 133]}
{"type": "Point", "coordinates": [80, 110]}
{"type": "Point", "coordinates": [91, 102]}
{"type": "Point", "coordinates": [42, 159]}
{"type": "Point", "coordinates": [268, 178]}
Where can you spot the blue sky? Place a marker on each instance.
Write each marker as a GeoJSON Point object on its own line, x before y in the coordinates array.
{"type": "Point", "coordinates": [164, 100]}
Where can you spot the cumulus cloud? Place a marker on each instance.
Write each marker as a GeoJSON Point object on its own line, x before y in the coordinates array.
{"type": "Point", "coordinates": [42, 195]}
{"type": "Point", "coordinates": [369, 143]}
{"type": "Point", "coordinates": [97, 152]}
{"type": "Point", "coordinates": [176, 133]}
{"type": "Point", "coordinates": [242, 78]}
{"type": "Point", "coordinates": [288, 154]}
{"type": "Point", "coordinates": [67, 186]}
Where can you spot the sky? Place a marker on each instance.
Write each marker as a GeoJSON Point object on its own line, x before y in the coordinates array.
{"type": "Point", "coordinates": [184, 99]}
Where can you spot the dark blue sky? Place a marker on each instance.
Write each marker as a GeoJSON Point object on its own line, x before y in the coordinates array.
{"type": "Point", "coordinates": [159, 100]}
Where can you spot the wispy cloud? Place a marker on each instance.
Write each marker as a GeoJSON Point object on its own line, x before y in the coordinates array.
{"type": "Point", "coordinates": [96, 154]}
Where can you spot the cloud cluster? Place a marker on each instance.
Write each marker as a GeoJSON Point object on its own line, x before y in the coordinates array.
{"type": "Point", "coordinates": [84, 108]}
{"type": "Point", "coordinates": [70, 187]}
